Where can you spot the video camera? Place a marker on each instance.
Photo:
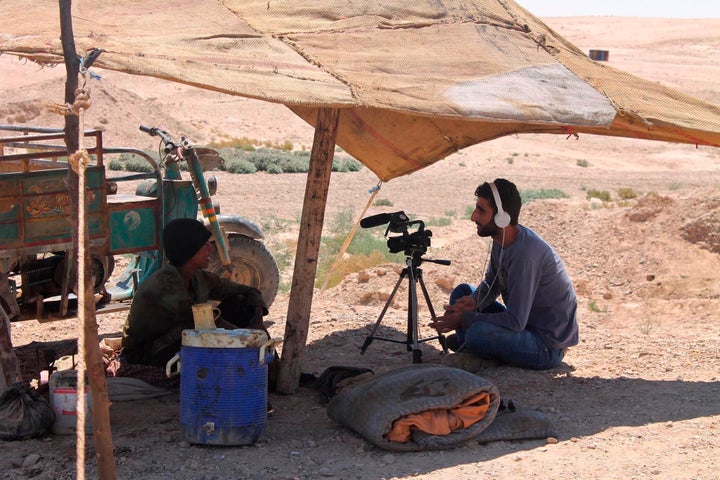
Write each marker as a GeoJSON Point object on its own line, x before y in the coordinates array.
{"type": "Point", "coordinates": [412, 243]}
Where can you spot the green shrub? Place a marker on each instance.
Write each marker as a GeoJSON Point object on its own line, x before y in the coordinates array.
{"type": "Point", "coordinates": [138, 165]}
{"type": "Point", "coordinates": [263, 158]}
{"type": "Point", "coordinates": [341, 222]}
{"type": "Point", "coordinates": [273, 160]}
{"type": "Point", "coordinates": [439, 222]}
{"type": "Point", "coordinates": [582, 163]}
{"type": "Point", "coordinates": [116, 165]}
{"type": "Point", "coordinates": [283, 256]}
{"type": "Point", "coordinates": [603, 195]}
{"type": "Point", "coordinates": [346, 165]}
{"type": "Point", "coordinates": [131, 162]}
{"type": "Point", "coordinates": [239, 166]}
{"type": "Point", "coordinates": [274, 169]}
{"type": "Point", "coordinates": [271, 223]}
{"type": "Point", "coordinates": [230, 154]}
{"type": "Point", "coordinates": [366, 242]}
{"type": "Point", "coordinates": [626, 193]}
{"type": "Point", "coordinates": [528, 196]}
{"type": "Point", "coordinates": [383, 202]}
{"type": "Point", "coordinates": [366, 249]}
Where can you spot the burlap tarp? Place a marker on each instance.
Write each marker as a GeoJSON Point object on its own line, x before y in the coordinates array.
{"type": "Point", "coordinates": [415, 81]}
{"type": "Point", "coordinates": [372, 408]}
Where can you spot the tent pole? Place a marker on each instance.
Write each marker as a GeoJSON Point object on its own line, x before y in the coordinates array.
{"type": "Point", "coordinates": [306, 258]}
{"type": "Point", "coordinates": [88, 342]}
{"type": "Point", "coordinates": [9, 366]}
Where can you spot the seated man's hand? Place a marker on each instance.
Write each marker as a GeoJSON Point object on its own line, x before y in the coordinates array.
{"type": "Point", "coordinates": [449, 322]}
{"type": "Point", "coordinates": [463, 304]}
{"type": "Point", "coordinates": [256, 322]}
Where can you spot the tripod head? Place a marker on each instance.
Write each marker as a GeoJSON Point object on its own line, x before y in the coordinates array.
{"type": "Point", "coordinates": [413, 244]}
{"type": "Point", "coordinates": [416, 259]}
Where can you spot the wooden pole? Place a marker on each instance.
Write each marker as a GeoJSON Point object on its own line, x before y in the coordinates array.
{"type": "Point", "coordinates": [306, 258]}
{"type": "Point", "coordinates": [9, 365]}
{"type": "Point", "coordinates": [90, 343]}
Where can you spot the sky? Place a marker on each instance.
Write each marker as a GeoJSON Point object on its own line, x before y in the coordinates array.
{"type": "Point", "coordinates": [623, 8]}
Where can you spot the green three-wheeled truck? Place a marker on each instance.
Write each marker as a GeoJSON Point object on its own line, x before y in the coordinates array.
{"type": "Point", "coordinates": [37, 264]}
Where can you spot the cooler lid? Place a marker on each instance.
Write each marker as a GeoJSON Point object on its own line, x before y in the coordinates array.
{"type": "Point", "coordinates": [223, 338]}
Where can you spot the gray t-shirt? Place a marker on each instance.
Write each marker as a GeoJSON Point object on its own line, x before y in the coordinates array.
{"type": "Point", "coordinates": [535, 288]}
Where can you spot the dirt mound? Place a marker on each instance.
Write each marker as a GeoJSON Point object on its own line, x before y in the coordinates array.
{"type": "Point", "coordinates": [703, 228]}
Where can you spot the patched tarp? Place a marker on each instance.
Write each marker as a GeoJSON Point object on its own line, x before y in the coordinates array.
{"type": "Point", "coordinates": [414, 81]}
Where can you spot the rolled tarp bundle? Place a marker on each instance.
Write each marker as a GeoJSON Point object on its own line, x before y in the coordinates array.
{"type": "Point", "coordinates": [418, 407]}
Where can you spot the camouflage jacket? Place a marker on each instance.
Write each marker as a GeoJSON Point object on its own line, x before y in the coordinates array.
{"type": "Point", "coordinates": [162, 309]}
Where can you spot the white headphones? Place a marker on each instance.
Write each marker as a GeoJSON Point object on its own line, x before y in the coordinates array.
{"type": "Point", "coordinates": [502, 218]}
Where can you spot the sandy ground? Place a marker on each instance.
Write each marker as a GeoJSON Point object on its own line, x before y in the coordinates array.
{"type": "Point", "coordinates": [636, 399]}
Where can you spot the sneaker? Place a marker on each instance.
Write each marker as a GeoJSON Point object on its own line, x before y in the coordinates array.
{"type": "Point", "coordinates": [467, 361]}
{"type": "Point", "coordinates": [452, 343]}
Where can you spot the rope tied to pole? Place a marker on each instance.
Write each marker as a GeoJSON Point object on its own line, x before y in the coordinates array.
{"type": "Point", "coordinates": [82, 102]}
{"type": "Point", "coordinates": [78, 162]}
{"type": "Point", "coordinates": [82, 94]}
{"type": "Point", "coordinates": [373, 191]}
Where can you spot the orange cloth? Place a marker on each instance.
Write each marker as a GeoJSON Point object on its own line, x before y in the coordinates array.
{"type": "Point", "coordinates": [441, 421]}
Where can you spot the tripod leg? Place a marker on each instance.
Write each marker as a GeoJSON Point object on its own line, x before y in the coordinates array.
{"type": "Point", "coordinates": [411, 330]}
{"type": "Point", "coordinates": [371, 335]}
{"type": "Point", "coordinates": [441, 337]}
{"type": "Point", "coordinates": [413, 342]}
{"type": "Point", "coordinates": [417, 356]}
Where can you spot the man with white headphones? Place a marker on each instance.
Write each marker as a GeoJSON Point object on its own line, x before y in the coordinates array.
{"type": "Point", "coordinates": [536, 321]}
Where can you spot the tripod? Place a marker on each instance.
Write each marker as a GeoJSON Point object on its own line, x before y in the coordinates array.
{"type": "Point", "coordinates": [413, 273]}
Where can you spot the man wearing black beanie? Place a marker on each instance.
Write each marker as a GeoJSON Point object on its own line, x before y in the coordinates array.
{"type": "Point", "coordinates": [162, 306]}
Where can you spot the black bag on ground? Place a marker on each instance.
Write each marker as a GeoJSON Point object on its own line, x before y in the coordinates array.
{"type": "Point", "coordinates": [24, 413]}
{"type": "Point", "coordinates": [326, 384]}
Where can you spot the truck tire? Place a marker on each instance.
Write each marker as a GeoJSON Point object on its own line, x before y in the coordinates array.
{"type": "Point", "coordinates": [250, 264]}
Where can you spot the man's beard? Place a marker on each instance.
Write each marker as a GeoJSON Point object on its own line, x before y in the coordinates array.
{"type": "Point", "coordinates": [486, 230]}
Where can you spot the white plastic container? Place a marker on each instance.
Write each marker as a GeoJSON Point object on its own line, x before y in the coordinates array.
{"type": "Point", "coordinates": [63, 398]}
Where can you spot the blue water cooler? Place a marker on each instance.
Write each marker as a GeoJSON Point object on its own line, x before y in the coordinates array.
{"type": "Point", "coordinates": [223, 385]}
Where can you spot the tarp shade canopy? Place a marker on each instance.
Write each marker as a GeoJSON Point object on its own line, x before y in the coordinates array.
{"type": "Point", "coordinates": [414, 81]}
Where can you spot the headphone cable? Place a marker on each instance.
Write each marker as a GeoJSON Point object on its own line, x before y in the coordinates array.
{"type": "Point", "coordinates": [490, 286]}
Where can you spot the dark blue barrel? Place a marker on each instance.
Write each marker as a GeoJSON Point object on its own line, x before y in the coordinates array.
{"type": "Point", "coordinates": [223, 386]}
{"type": "Point", "coordinates": [599, 55]}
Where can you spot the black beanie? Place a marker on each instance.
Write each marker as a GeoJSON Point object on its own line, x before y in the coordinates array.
{"type": "Point", "coordinates": [182, 238]}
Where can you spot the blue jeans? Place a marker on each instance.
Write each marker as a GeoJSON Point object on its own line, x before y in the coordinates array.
{"type": "Point", "coordinates": [522, 349]}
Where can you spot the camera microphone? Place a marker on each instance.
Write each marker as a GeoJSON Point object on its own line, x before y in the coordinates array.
{"type": "Point", "coordinates": [376, 220]}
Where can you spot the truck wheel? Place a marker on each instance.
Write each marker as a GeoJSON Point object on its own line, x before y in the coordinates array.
{"type": "Point", "coordinates": [250, 264]}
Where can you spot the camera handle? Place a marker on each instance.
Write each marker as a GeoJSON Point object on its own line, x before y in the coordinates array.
{"type": "Point", "coordinates": [414, 275]}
